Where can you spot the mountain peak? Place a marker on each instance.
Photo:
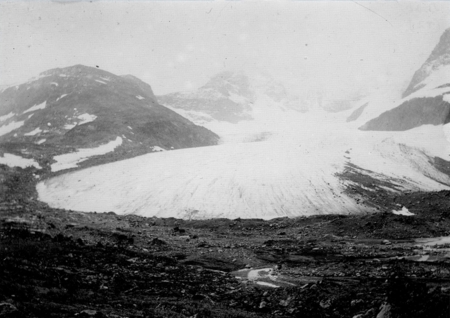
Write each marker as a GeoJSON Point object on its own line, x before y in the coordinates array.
{"type": "Point", "coordinates": [439, 58]}
{"type": "Point", "coordinates": [443, 47]}
{"type": "Point", "coordinates": [76, 70]}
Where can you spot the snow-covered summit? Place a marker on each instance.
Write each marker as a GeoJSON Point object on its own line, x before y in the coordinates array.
{"type": "Point", "coordinates": [232, 97]}
{"type": "Point", "coordinates": [236, 105]}
{"type": "Point", "coordinates": [425, 102]}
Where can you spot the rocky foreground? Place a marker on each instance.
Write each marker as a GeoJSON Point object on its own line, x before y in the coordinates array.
{"type": "Point", "coordinates": [59, 263]}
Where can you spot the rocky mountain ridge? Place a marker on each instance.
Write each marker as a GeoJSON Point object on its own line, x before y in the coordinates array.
{"type": "Point", "coordinates": [69, 110]}
{"type": "Point", "coordinates": [438, 60]}
{"type": "Point", "coordinates": [426, 101]}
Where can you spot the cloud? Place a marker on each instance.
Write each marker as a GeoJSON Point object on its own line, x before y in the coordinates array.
{"type": "Point", "coordinates": [243, 37]}
{"type": "Point", "coordinates": [181, 57]}
{"type": "Point", "coordinates": [190, 47]}
{"type": "Point", "coordinates": [71, 1]}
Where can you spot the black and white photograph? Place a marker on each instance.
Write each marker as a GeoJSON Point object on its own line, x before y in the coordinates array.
{"type": "Point", "coordinates": [224, 159]}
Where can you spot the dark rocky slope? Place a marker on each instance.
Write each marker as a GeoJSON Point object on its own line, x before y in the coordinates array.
{"type": "Point", "coordinates": [412, 113]}
{"type": "Point", "coordinates": [84, 107]}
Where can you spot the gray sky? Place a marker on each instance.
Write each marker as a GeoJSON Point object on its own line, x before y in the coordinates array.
{"type": "Point", "coordinates": [336, 47]}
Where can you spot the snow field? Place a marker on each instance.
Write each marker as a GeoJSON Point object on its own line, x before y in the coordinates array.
{"type": "Point", "coordinates": [71, 160]}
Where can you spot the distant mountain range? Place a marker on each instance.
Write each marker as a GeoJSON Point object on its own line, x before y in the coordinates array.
{"type": "Point", "coordinates": [91, 116]}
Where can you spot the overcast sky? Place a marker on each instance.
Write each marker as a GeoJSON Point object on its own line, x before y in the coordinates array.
{"type": "Point", "coordinates": [338, 47]}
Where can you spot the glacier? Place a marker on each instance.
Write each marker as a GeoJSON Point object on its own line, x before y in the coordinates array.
{"type": "Point", "coordinates": [293, 172]}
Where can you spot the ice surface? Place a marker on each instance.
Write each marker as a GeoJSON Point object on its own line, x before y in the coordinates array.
{"type": "Point", "coordinates": [71, 160]}
{"type": "Point", "coordinates": [36, 107]}
{"type": "Point", "coordinates": [17, 161]}
{"type": "Point", "coordinates": [290, 173]}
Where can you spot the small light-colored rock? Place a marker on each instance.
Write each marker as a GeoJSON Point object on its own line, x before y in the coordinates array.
{"type": "Point", "coordinates": [385, 311]}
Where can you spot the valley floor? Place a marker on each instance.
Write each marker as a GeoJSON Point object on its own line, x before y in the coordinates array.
{"type": "Point", "coordinates": [59, 263]}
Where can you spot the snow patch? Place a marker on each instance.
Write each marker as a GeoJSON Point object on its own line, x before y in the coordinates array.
{"type": "Point", "coordinates": [69, 126]}
{"type": "Point", "coordinates": [100, 81]}
{"type": "Point", "coordinates": [41, 141]}
{"type": "Point", "coordinates": [7, 116]}
{"type": "Point", "coordinates": [446, 98]}
{"type": "Point", "coordinates": [86, 118]}
{"type": "Point", "coordinates": [71, 160]}
{"type": "Point", "coordinates": [36, 107]}
{"type": "Point", "coordinates": [17, 161]}
{"type": "Point", "coordinates": [34, 132]}
{"type": "Point", "coordinates": [156, 148]}
{"type": "Point", "coordinates": [139, 97]}
{"type": "Point", "coordinates": [62, 96]}
{"type": "Point", "coordinates": [54, 83]}
{"type": "Point", "coordinates": [403, 211]}
{"type": "Point", "coordinates": [5, 129]}
{"type": "Point", "coordinates": [63, 75]}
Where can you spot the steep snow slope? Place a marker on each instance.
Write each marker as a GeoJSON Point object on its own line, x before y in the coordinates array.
{"type": "Point", "coordinates": [424, 102]}
{"type": "Point", "coordinates": [237, 106]}
{"type": "Point", "coordinates": [437, 63]}
{"type": "Point", "coordinates": [294, 172]}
